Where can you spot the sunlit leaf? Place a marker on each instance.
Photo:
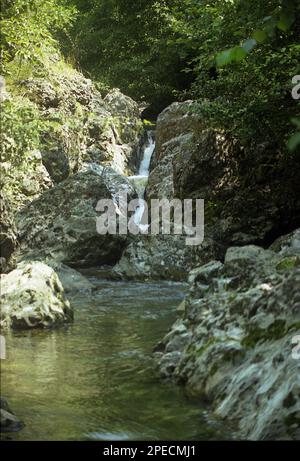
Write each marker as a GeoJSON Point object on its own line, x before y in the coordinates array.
{"type": "Point", "coordinates": [296, 122]}
{"type": "Point", "coordinates": [285, 22]}
{"type": "Point", "coordinates": [260, 36]}
{"type": "Point", "coordinates": [224, 58]}
{"type": "Point", "coordinates": [249, 45]}
{"type": "Point", "coordinates": [294, 142]}
{"type": "Point", "coordinates": [238, 54]}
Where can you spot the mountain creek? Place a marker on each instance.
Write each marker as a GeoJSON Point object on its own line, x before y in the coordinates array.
{"type": "Point", "coordinates": [143, 337]}
{"type": "Point", "coordinates": [96, 379]}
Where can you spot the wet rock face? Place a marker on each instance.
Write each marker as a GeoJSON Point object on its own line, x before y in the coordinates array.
{"type": "Point", "coordinates": [121, 105]}
{"type": "Point", "coordinates": [8, 239]}
{"type": "Point", "coordinates": [32, 296]}
{"type": "Point", "coordinates": [106, 131]}
{"type": "Point", "coordinates": [56, 163]}
{"type": "Point", "coordinates": [114, 132]}
{"type": "Point", "coordinates": [249, 196]}
{"type": "Point", "coordinates": [61, 224]}
{"type": "Point", "coordinates": [8, 421]}
{"type": "Point", "coordinates": [232, 344]}
{"type": "Point", "coordinates": [62, 90]}
{"type": "Point", "coordinates": [153, 257]}
{"type": "Point", "coordinates": [174, 127]}
{"type": "Point", "coordinates": [24, 185]}
{"type": "Point", "coordinates": [174, 121]}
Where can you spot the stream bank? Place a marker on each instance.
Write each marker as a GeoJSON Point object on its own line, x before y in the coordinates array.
{"type": "Point", "coordinates": [96, 379]}
{"type": "Point", "coordinates": [243, 299]}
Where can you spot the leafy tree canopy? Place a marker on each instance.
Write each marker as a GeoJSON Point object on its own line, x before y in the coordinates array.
{"type": "Point", "coordinates": [236, 58]}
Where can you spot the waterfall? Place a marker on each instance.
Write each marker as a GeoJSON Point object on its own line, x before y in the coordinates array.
{"type": "Point", "coordinates": [148, 152]}
{"type": "Point", "coordinates": [140, 181]}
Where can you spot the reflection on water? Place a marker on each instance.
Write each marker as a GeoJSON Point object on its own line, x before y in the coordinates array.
{"type": "Point", "coordinates": [95, 380]}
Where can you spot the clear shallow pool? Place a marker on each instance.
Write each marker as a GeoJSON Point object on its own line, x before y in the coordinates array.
{"type": "Point", "coordinates": [95, 379]}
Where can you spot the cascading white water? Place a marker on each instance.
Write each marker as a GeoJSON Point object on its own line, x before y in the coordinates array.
{"type": "Point", "coordinates": [140, 181]}
{"type": "Point", "coordinates": [148, 152]}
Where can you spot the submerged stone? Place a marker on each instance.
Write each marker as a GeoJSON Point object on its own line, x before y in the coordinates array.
{"type": "Point", "coordinates": [8, 421]}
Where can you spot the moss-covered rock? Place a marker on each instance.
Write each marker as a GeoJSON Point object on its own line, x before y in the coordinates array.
{"type": "Point", "coordinates": [61, 224]}
{"type": "Point", "coordinates": [8, 238]}
{"type": "Point", "coordinates": [194, 160]}
{"type": "Point", "coordinates": [62, 116]}
{"type": "Point", "coordinates": [32, 296]}
{"type": "Point", "coordinates": [8, 420]}
{"type": "Point", "coordinates": [240, 318]}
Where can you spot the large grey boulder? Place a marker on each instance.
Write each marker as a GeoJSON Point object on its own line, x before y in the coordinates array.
{"type": "Point", "coordinates": [106, 145]}
{"type": "Point", "coordinates": [160, 257]}
{"type": "Point", "coordinates": [61, 91]}
{"type": "Point", "coordinates": [153, 258]}
{"type": "Point", "coordinates": [175, 127]}
{"type": "Point", "coordinates": [64, 100]}
{"type": "Point", "coordinates": [22, 185]}
{"type": "Point", "coordinates": [249, 196]}
{"type": "Point", "coordinates": [232, 344]}
{"type": "Point", "coordinates": [73, 282]}
{"type": "Point", "coordinates": [32, 296]}
{"type": "Point", "coordinates": [114, 131]}
{"type": "Point", "coordinates": [8, 421]}
{"type": "Point", "coordinates": [61, 224]}
{"type": "Point", "coordinates": [127, 113]}
{"type": "Point", "coordinates": [83, 126]}
{"type": "Point", "coordinates": [8, 239]}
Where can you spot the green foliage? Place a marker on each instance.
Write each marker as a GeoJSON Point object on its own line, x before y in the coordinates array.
{"type": "Point", "coordinates": [148, 124]}
{"type": "Point", "coordinates": [294, 140]}
{"type": "Point", "coordinates": [21, 127]}
{"type": "Point", "coordinates": [282, 18]}
{"type": "Point", "coordinates": [239, 56]}
{"type": "Point", "coordinates": [20, 136]}
{"type": "Point", "coordinates": [288, 263]}
{"type": "Point", "coordinates": [27, 28]}
{"type": "Point", "coordinates": [130, 45]}
{"type": "Point", "coordinates": [246, 54]}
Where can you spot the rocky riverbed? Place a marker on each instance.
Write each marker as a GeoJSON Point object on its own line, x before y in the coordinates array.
{"type": "Point", "coordinates": [231, 345]}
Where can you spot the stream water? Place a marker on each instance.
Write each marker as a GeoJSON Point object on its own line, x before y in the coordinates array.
{"type": "Point", "coordinates": [141, 179]}
{"type": "Point", "coordinates": [95, 379]}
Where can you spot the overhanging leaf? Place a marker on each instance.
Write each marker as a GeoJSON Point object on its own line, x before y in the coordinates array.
{"type": "Point", "coordinates": [224, 58]}
{"type": "Point", "coordinates": [294, 142]}
{"type": "Point", "coordinates": [260, 36]}
{"type": "Point", "coordinates": [238, 54]}
{"type": "Point", "coordinates": [249, 45]}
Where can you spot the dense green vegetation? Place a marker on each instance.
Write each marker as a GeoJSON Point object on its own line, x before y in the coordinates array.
{"type": "Point", "coordinates": [30, 49]}
{"type": "Point", "coordinates": [131, 45]}
{"type": "Point", "coordinates": [247, 53]}
{"type": "Point", "coordinates": [28, 29]}
{"type": "Point", "coordinates": [236, 58]}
